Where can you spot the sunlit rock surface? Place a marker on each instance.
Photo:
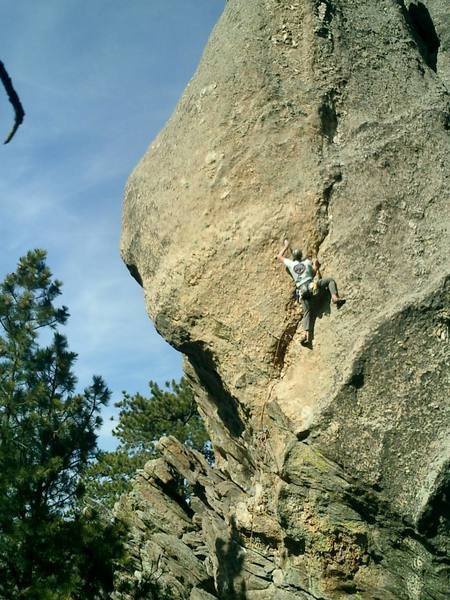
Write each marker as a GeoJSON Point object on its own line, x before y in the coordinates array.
{"type": "Point", "coordinates": [327, 123]}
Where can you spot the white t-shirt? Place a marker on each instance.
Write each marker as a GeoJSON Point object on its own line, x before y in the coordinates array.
{"type": "Point", "coordinates": [301, 271]}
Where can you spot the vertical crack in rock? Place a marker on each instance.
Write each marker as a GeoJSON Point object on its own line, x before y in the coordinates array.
{"type": "Point", "coordinates": [328, 117]}
{"type": "Point", "coordinates": [325, 13]}
{"type": "Point", "coordinates": [435, 519]}
{"type": "Point", "coordinates": [424, 33]}
{"type": "Point", "coordinates": [281, 345]}
{"type": "Point", "coordinates": [323, 220]}
{"type": "Point", "coordinates": [357, 378]}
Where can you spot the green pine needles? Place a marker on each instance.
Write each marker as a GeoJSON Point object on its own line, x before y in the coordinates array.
{"type": "Point", "coordinates": [47, 440]}
{"type": "Point", "coordinates": [58, 537]}
{"type": "Point", "coordinates": [142, 421]}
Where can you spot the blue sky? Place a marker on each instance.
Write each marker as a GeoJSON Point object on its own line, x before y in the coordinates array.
{"type": "Point", "coordinates": [98, 79]}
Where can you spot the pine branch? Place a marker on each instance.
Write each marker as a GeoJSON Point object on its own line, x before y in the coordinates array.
{"type": "Point", "coordinates": [14, 99]}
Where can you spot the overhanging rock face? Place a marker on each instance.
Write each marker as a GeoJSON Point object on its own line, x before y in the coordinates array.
{"type": "Point", "coordinates": [327, 123]}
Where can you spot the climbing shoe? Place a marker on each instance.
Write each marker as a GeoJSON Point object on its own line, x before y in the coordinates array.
{"type": "Point", "coordinates": [304, 340]}
{"type": "Point", "coordinates": [340, 302]}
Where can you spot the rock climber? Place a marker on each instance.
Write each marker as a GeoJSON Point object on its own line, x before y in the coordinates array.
{"type": "Point", "coordinates": [303, 273]}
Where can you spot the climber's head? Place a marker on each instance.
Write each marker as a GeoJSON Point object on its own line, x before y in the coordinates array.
{"type": "Point", "coordinates": [297, 254]}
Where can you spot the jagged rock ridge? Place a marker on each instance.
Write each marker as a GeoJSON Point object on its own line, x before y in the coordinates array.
{"type": "Point", "coordinates": [326, 122]}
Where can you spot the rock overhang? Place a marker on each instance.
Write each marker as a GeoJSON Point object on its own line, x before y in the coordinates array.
{"type": "Point", "coordinates": [321, 123]}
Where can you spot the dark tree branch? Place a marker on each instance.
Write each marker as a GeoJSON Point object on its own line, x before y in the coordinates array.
{"type": "Point", "coordinates": [14, 99]}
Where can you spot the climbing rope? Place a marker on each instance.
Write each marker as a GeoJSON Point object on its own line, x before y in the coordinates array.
{"type": "Point", "coordinates": [263, 437]}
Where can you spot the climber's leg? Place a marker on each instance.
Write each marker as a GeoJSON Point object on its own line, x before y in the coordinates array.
{"type": "Point", "coordinates": [330, 284]}
{"type": "Point", "coordinates": [306, 305]}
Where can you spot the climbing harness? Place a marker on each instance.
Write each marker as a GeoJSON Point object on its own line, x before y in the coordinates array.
{"type": "Point", "coordinates": [309, 288]}
{"type": "Point", "coordinates": [314, 287]}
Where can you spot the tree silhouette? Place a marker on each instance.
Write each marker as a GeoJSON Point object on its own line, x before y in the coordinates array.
{"type": "Point", "coordinates": [14, 99]}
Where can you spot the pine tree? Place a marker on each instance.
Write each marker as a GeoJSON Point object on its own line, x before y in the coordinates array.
{"type": "Point", "coordinates": [47, 439]}
{"type": "Point", "coordinates": [142, 421]}
{"type": "Point", "coordinates": [172, 411]}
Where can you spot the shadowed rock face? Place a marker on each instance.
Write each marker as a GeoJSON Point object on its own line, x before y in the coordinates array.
{"type": "Point", "coordinates": [327, 123]}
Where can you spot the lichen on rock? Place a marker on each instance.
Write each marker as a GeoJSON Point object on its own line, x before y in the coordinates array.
{"type": "Point", "coordinates": [326, 122]}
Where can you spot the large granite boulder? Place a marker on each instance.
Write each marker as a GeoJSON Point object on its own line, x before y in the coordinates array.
{"type": "Point", "coordinates": [326, 122]}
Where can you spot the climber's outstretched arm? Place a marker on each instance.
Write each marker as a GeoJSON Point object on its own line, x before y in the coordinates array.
{"type": "Point", "coordinates": [282, 252]}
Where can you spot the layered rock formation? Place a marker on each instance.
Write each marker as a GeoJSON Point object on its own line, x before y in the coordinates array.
{"type": "Point", "coordinates": [326, 122]}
